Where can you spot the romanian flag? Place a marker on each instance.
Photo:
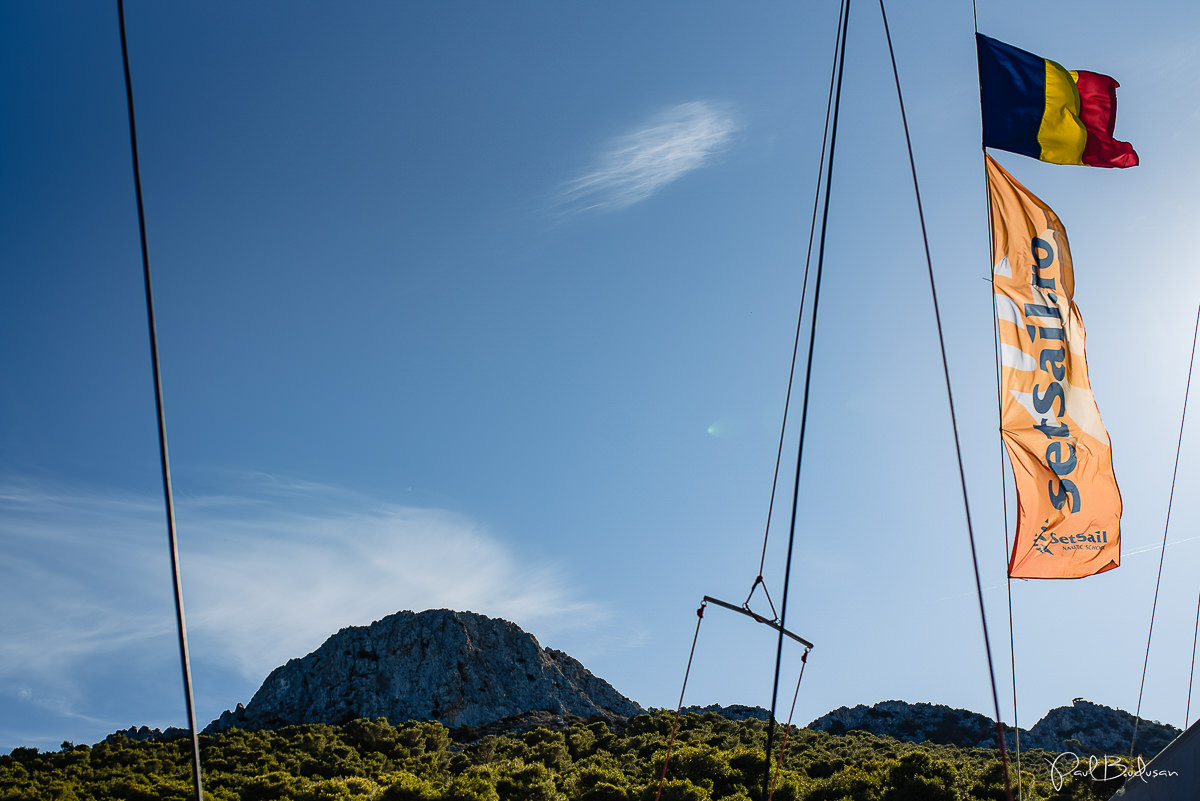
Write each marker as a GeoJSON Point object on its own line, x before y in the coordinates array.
{"type": "Point", "coordinates": [1069, 524]}
{"type": "Point", "coordinates": [1034, 107]}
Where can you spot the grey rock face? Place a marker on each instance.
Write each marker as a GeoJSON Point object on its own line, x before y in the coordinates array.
{"type": "Point", "coordinates": [459, 668]}
{"type": "Point", "coordinates": [1083, 727]}
{"type": "Point", "coordinates": [146, 733]}
{"type": "Point", "coordinates": [913, 722]}
{"type": "Point", "coordinates": [1098, 729]}
{"type": "Point", "coordinates": [731, 712]}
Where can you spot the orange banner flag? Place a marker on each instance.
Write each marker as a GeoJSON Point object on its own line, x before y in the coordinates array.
{"type": "Point", "coordinates": [1069, 505]}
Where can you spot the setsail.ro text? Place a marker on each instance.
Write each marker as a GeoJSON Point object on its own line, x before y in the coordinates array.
{"type": "Point", "coordinates": [1045, 322]}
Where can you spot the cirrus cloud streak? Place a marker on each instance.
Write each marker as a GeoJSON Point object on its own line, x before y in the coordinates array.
{"type": "Point", "coordinates": [270, 570]}
{"type": "Point", "coordinates": [679, 140]}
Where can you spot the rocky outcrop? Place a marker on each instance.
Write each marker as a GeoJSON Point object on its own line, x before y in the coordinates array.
{"type": "Point", "coordinates": [1083, 727]}
{"type": "Point", "coordinates": [913, 722]}
{"type": "Point", "coordinates": [145, 733]}
{"type": "Point", "coordinates": [459, 668]}
{"type": "Point", "coordinates": [731, 712]}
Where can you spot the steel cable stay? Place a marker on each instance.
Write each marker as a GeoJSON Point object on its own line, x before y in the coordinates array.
{"type": "Point", "coordinates": [1137, 715]}
{"type": "Point", "coordinates": [787, 401]}
{"type": "Point", "coordinates": [164, 460]}
{"type": "Point", "coordinates": [1003, 461]}
{"type": "Point", "coordinates": [776, 621]}
{"type": "Point", "coordinates": [1187, 714]}
{"type": "Point", "coordinates": [1012, 652]}
{"type": "Point", "coordinates": [950, 403]}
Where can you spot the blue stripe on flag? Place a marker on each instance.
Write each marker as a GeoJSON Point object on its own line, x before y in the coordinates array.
{"type": "Point", "coordinates": [1012, 84]}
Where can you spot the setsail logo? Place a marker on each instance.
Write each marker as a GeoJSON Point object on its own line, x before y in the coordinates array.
{"type": "Point", "coordinates": [1044, 542]}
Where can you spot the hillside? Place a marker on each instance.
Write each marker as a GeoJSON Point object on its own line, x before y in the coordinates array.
{"type": "Point", "coordinates": [570, 759]}
{"type": "Point", "coordinates": [1083, 727]}
{"type": "Point", "coordinates": [468, 670]}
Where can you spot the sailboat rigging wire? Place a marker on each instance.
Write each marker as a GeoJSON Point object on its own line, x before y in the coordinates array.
{"type": "Point", "coordinates": [950, 398]}
{"type": "Point", "coordinates": [1137, 716]}
{"type": "Point", "coordinates": [1192, 671]}
{"type": "Point", "coordinates": [162, 424]}
{"type": "Point", "coordinates": [787, 401]}
{"type": "Point", "coordinates": [844, 27]}
{"type": "Point", "coordinates": [679, 709]}
{"type": "Point", "coordinates": [1012, 640]}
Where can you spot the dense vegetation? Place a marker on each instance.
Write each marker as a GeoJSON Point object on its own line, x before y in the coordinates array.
{"type": "Point", "coordinates": [371, 760]}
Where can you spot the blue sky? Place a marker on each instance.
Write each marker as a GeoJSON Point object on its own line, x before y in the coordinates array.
{"type": "Point", "coordinates": [490, 307]}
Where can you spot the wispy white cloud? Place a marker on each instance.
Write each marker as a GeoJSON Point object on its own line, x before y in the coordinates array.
{"type": "Point", "coordinates": [681, 139]}
{"type": "Point", "coordinates": [270, 570]}
{"type": "Point", "coordinates": [69, 561]}
{"type": "Point", "coordinates": [268, 590]}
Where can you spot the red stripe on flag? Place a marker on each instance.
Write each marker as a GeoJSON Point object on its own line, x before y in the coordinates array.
{"type": "Point", "coordinates": [1098, 112]}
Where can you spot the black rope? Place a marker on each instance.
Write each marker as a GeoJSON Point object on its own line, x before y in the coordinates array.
{"type": "Point", "coordinates": [950, 398]}
{"type": "Point", "coordinates": [844, 27]}
{"type": "Point", "coordinates": [162, 424]}
{"type": "Point", "coordinates": [1137, 716]}
{"type": "Point", "coordinates": [787, 402]}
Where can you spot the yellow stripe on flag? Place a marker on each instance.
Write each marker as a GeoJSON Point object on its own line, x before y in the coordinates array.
{"type": "Point", "coordinates": [1061, 134]}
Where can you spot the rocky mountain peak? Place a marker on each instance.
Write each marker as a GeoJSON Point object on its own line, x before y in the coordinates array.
{"type": "Point", "coordinates": [460, 668]}
{"type": "Point", "coordinates": [1094, 728]}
